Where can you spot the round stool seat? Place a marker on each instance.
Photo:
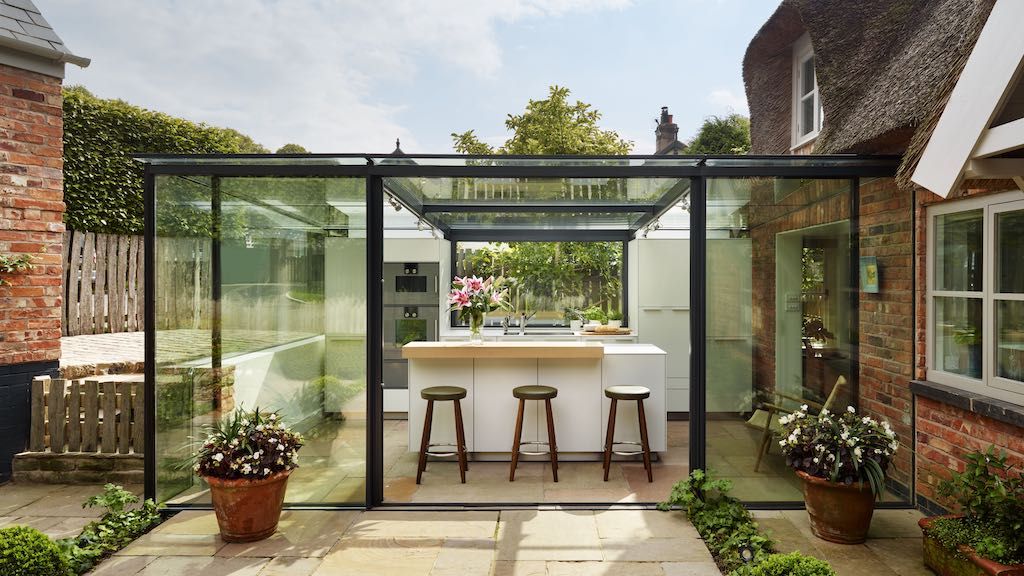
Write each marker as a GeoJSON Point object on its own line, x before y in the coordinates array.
{"type": "Point", "coordinates": [443, 393]}
{"type": "Point", "coordinates": [627, 392]}
{"type": "Point", "coordinates": [534, 392]}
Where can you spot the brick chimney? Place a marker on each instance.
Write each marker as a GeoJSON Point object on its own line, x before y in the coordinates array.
{"type": "Point", "coordinates": [667, 131]}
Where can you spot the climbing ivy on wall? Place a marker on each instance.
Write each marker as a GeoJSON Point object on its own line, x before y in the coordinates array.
{"type": "Point", "coordinates": [102, 183]}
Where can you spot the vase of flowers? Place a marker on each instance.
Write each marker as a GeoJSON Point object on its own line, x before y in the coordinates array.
{"type": "Point", "coordinates": [246, 460]}
{"type": "Point", "coordinates": [842, 459]}
{"type": "Point", "coordinates": [472, 297]}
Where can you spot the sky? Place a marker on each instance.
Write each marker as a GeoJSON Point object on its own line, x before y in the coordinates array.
{"type": "Point", "coordinates": [354, 75]}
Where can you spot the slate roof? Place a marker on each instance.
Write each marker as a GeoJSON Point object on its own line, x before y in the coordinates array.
{"type": "Point", "coordinates": [21, 21]}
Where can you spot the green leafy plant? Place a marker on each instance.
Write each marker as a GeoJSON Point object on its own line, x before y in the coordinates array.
{"type": "Point", "coordinates": [615, 315]}
{"type": "Point", "coordinates": [722, 521]}
{"type": "Point", "coordinates": [25, 551]}
{"type": "Point", "coordinates": [12, 265]}
{"type": "Point", "coordinates": [118, 526]}
{"type": "Point", "coordinates": [990, 494]}
{"type": "Point", "coordinates": [792, 564]}
{"type": "Point", "coordinates": [595, 314]}
{"type": "Point", "coordinates": [843, 447]}
{"type": "Point", "coordinates": [571, 314]}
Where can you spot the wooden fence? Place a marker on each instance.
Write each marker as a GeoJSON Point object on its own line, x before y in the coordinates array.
{"type": "Point", "coordinates": [103, 283]}
{"type": "Point", "coordinates": [87, 416]}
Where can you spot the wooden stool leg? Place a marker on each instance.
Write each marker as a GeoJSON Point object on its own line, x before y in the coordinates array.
{"type": "Point", "coordinates": [460, 441]}
{"type": "Point", "coordinates": [425, 440]}
{"type": "Point", "coordinates": [608, 439]}
{"type": "Point", "coordinates": [515, 441]}
{"type": "Point", "coordinates": [643, 440]}
{"type": "Point", "coordinates": [552, 445]}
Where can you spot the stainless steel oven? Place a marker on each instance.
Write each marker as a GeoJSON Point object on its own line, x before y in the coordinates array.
{"type": "Point", "coordinates": [411, 284]}
{"type": "Point", "coordinates": [404, 324]}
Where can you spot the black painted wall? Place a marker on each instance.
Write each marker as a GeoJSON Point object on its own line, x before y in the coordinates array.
{"type": "Point", "coordinates": [15, 402]}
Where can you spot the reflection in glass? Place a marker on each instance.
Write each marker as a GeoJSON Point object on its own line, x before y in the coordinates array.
{"type": "Point", "coordinates": [958, 245]}
{"type": "Point", "coordinates": [288, 332]}
{"type": "Point", "coordinates": [1010, 249]}
{"type": "Point", "coordinates": [1010, 327]}
{"type": "Point", "coordinates": [958, 335]}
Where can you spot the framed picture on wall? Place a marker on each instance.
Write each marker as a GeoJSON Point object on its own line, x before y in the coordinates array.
{"type": "Point", "coordinates": [869, 274]}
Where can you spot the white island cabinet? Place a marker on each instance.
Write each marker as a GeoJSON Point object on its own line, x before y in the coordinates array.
{"type": "Point", "coordinates": [579, 370]}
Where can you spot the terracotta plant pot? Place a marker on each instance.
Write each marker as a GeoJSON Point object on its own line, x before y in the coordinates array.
{"type": "Point", "coordinates": [946, 562]}
{"type": "Point", "coordinates": [838, 513]}
{"type": "Point", "coordinates": [248, 510]}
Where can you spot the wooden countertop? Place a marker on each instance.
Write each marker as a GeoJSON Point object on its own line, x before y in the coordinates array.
{"type": "Point", "coordinates": [498, 350]}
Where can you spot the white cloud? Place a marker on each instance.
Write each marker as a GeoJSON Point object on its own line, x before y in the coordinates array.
{"type": "Point", "coordinates": [728, 101]}
{"type": "Point", "coordinates": [308, 72]}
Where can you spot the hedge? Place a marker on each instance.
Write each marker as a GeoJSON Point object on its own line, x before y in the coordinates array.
{"type": "Point", "coordinates": [102, 183]}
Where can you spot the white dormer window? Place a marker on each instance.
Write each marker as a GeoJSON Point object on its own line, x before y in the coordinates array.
{"type": "Point", "coordinates": [807, 114]}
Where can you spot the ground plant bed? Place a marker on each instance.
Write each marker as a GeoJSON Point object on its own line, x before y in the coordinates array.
{"type": "Point", "coordinates": [961, 562]}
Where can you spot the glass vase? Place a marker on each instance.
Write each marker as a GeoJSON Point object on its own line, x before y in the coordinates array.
{"type": "Point", "coordinates": [476, 324]}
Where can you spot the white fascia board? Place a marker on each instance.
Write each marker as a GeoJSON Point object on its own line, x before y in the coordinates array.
{"type": "Point", "coordinates": [990, 71]}
{"type": "Point", "coordinates": [1001, 139]}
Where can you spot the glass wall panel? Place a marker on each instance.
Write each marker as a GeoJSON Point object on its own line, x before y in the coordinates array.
{"type": "Point", "coordinates": [261, 303]}
{"type": "Point", "coordinates": [778, 319]}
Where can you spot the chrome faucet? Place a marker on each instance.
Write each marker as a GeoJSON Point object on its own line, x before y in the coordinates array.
{"type": "Point", "coordinates": [523, 319]}
{"type": "Point", "coordinates": [505, 323]}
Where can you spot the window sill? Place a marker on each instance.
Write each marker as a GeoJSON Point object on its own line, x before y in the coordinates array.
{"type": "Point", "coordinates": [805, 142]}
{"type": "Point", "coordinates": [973, 402]}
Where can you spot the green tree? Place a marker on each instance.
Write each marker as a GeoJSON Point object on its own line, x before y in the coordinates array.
{"type": "Point", "coordinates": [551, 126]}
{"type": "Point", "coordinates": [291, 148]}
{"type": "Point", "coordinates": [722, 135]}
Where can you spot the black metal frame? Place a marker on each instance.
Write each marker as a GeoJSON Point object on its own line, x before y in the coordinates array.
{"type": "Point", "coordinates": [829, 167]}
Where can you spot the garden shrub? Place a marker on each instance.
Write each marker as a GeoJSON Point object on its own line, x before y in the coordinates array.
{"type": "Point", "coordinates": [792, 564]}
{"type": "Point", "coordinates": [102, 183]}
{"type": "Point", "coordinates": [118, 526]}
{"type": "Point", "coordinates": [26, 551]}
{"type": "Point", "coordinates": [990, 494]}
{"type": "Point", "coordinates": [722, 521]}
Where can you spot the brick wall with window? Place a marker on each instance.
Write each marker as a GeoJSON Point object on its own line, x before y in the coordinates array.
{"type": "Point", "coordinates": [968, 370]}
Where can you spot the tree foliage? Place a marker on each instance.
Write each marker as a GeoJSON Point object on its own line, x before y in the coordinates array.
{"type": "Point", "coordinates": [722, 135]}
{"type": "Point", "coordinates": [102, 181]}
{"type": "Point", "coordinates": [291, 148]}
{"type": "Point", "coordinates": [551, 126]}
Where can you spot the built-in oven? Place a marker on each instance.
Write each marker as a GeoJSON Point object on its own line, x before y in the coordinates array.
{"type": "Point", "coordinates": [404, 324]}
{"type": "Point", "coordinates": [410, 283]}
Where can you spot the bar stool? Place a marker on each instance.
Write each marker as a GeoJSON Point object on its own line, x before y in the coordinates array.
{"type": "Point", "coordinates": [524, 393]}
{"type": "Point", "coordinates": [637, 393]}
{"type": "Point", "coordinates": [442, 394]}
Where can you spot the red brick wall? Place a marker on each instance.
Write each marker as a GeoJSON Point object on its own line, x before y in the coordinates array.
{"type": "Point", "coordinates": [31, 214]}
{"type": "Point", "coordinates": [886, 328]}
{"type": "Point", "coordinates": [945, 433]}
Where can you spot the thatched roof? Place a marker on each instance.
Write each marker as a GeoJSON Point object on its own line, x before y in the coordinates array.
{"type": "Point", "coordinates": [885, 69]}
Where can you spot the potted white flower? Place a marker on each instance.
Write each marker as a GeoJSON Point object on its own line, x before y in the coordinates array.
{"type": "Point", "coordinates": [246, 460]}
{"type": "Point", "coordinates": [842, 459]}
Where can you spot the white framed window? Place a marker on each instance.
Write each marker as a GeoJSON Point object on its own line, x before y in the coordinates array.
{"type": "Point", "coordinates": [975, 298]}
{"type": "Point", "coordinates": [807, 114]}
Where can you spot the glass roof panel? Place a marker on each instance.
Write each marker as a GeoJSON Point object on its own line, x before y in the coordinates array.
{"type": "Point", "coordinates": [255, 160]}
{"type": "Point", "coordinates": [436, 193]}
{"type": "Point", "coordinates": [540, 220]}
{"type": "Point", "coordinates": [536, 161]}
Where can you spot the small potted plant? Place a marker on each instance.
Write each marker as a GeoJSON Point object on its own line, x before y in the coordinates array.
{"type": "Point", "coordinates": [246, 460]}
{"type": "Point", "coordinates": [595, 316]}
{"type": "Point", "coordinates": [841, 459]}
{"type": "Point", "coordinates": [985, 538]}
{"type": "Point", "coordinates": [971, 338]}
{"type": "Point", "coordinates": [574, 317]}
{"type": "Point", "coordinates": [615, 319]}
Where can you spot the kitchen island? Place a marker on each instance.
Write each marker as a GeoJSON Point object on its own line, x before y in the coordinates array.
{"type": "Point", "coordinates": [579, 370]}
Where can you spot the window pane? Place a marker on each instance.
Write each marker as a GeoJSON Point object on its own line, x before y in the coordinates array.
{"type": "Point", "coordinates": [958, 251]}
{"type": "Point", "coordinates": [548, 278]}
{"type": "Point", "coordinates": [958, 336]}
{"type": "Point", "coordinates": [1010, 244]}
{"type": "Point", "coordinates": [807, 115]}
{"type": "Point", "coordinates": [1010, 322]}
{"type": "Point", "coordinates": [807, 76]}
